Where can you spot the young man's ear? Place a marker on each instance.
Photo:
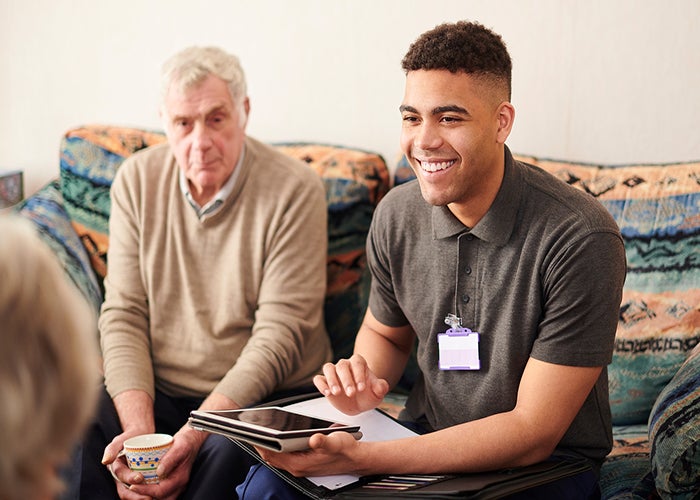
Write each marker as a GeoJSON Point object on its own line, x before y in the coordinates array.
{"type": "Point", "coordinates": [506, 117]}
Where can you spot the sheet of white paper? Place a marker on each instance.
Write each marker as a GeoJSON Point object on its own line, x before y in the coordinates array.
{"type": "Point", "coordinates": [374, 425]}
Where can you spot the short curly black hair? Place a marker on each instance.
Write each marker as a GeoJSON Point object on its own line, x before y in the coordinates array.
{"type": "Point", "coordinates": [463, 46]}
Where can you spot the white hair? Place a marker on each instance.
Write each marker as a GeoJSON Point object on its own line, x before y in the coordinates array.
{"type": "Point", "coordinates": [49, 372]}
{"type": "Point", "coordinates": [192, 65]}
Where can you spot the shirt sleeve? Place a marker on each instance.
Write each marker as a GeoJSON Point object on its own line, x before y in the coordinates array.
{"type": "Point", "coordinates": [382, 299]}
{"type": "Point", "coordinates": [582, 295]}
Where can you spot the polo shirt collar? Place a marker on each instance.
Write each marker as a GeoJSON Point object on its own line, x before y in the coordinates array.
{"type": "Point", "coordinates": [498, 223]}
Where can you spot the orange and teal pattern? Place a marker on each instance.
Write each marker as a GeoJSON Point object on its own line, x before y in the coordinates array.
{"type": "Point", "coordinates": [657, 208]}
{"type": "Point", "coordinates": [355, 181]}
{"type": "Point", "coordinates": [674, 433]}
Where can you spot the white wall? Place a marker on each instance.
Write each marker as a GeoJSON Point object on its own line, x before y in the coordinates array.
{"type": "Point", "coordinates": [612, 81]}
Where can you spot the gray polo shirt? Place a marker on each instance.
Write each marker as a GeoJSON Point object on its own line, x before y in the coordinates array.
{"type": "Point", "coordinates": [540, 275]}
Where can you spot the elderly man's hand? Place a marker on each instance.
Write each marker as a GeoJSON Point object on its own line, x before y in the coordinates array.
{"type": "Point", "coordinates": [173, 471]}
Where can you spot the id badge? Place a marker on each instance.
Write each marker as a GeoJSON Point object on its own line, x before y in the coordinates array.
{"type": "Point", "coordinates": [459, 349]}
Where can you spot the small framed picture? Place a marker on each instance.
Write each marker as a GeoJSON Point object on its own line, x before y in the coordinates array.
{"type": "Point", "coordinates": [11, 188]}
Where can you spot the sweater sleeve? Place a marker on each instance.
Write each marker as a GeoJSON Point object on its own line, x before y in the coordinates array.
{"type": "Point", "coordinates": [123, 322]}
{"type": "Point", "coordinates": [288, 342]}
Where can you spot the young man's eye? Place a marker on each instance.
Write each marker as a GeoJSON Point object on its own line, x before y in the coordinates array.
{"type": "Point", "coordinates": [451, 119]}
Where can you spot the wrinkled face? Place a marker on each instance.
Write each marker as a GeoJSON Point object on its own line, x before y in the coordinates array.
{"type": "Point", "coordinates": [205, 132]}
{"type": "Point", "coordinates": [453, 132]}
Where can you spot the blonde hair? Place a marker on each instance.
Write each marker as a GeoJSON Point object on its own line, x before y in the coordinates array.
{"type": "Point", "coordinates": [192, 65]}
{"type": "Point", "coordinates": [49, 373]}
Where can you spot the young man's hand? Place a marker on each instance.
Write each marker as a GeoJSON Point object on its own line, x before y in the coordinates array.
{"type": "Point", "coordinates": [335, 453]}
{"type": "Point", "coordinates": [351, 386]}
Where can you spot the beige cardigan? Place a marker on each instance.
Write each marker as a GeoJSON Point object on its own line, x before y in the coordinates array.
{"type": "Point", "coordinates": [231, 303]}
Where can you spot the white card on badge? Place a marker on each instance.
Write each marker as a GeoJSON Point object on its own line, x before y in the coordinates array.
{"type": "Point", "coordinates": [459, 349]}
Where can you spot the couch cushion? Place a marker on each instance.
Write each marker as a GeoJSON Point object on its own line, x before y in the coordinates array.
{"type": "Point", "coordinates": [403, 172]}
{"type": "Point", "coordinates": [626, 472]}
{"type": "Point", "coordinates": [355, 181]}
{"type": "Point", "coordinates": [89, 158]}
{"type": "Point", "coordinates": [46, 210]}
{"type": "Point", "coordinates": [658, 210]}
{"type": "Point", "coordinates": [674, 433]}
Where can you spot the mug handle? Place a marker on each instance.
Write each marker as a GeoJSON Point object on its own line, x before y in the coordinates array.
{"type": "Point", "coordinates": [111, 471]}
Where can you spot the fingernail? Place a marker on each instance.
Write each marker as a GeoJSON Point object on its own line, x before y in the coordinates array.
{"type": "Point", "coordinates": [105, 458]}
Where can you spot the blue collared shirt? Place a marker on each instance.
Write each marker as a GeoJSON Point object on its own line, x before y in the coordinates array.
{"type": "Point", "coordinates": [215, 204]}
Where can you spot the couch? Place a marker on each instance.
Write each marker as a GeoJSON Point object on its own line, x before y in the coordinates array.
{"type": "Point", "coordinates": [655, 373]}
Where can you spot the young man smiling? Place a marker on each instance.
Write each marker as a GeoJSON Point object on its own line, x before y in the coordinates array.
{"type": "Point", "coordinates": [489, 244]}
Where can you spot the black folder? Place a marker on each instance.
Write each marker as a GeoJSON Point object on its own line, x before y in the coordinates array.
{"type": "Point", "coordinates": [483, 485]}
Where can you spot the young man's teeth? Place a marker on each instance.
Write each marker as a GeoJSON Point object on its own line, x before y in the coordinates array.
{"type": "Point", "coordinates": [435, 166]}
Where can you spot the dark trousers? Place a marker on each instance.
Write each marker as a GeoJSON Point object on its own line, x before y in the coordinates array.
{"type": "Point", "coordinates": [263, 484]}
{"type": "Point", "coordinates": [219, 467]}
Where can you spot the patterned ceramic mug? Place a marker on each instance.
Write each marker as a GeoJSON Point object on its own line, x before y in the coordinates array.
{"type": "Point", "coordinates": [144, 453]}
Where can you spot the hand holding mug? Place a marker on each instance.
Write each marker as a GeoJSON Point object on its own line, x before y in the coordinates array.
{"type": "Point", "coordinates": [143, 455]}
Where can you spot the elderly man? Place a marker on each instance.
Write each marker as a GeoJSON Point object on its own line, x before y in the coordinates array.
{"type": "Point", "coordinates": [215, 286]}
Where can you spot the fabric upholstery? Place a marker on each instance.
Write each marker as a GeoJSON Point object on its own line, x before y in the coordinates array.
{"type": "Point", "coordinates": [46, 210]}
{"type": "Point", "coordinates": [658, 210]}
{"type": "Point", "coordinates": [674, 433]}
{"type": "Point", "coordinates": [403, 172]}
{"type": "Point", "coordinates": [626, 472]}
{"type": "Point", "coordinates": [89, 158]}
{"type": "Point", "coordinates": [355, 181]}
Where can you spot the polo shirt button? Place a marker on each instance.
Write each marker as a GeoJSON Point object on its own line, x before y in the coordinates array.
{"type": "Point", "coordinates": [465, 298]}
{"type": "Point", "coordinates": [468, 270]}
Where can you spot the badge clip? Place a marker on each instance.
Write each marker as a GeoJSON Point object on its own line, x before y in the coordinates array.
{"type": "Point", "coordinates": [456, 323]}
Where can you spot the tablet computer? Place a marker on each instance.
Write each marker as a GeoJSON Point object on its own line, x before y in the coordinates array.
{"type": "Point", "coordinates": [272, 427]}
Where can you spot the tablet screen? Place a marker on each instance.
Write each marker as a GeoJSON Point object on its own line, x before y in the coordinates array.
{"type": "Point", "coordinates": [275, 419]}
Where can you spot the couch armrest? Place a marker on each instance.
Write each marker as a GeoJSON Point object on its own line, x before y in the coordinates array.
{"type": "Point", "coordinates": [45, 209]}
{"type": "Point", "coordinates": [674, 433]}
